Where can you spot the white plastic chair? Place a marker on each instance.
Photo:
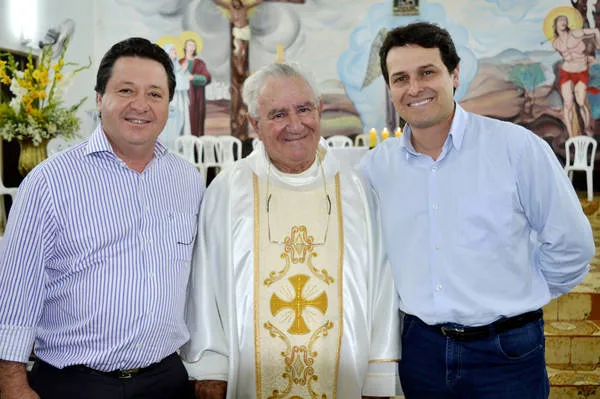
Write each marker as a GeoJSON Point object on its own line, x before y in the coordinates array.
{"type": "Point", "coordinates": [361, 140]}
{"type": "Point", "coordinates": [339, 141]}
{"type": "Point", "coordinates": [255, 143]}
{"type": "Point", "coordinates": [210, 155]}
{"type": "Point", "coordinates": [585, 153]}
{"type": "Point", "coordinates": [59, 144]}
{"type": "Point", "coordinates": [230, 149]}
{"type": "Point", "coordinates": [185, 146]}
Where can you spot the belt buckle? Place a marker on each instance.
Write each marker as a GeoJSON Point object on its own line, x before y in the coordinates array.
{"type": "Point", "coordinates": [127, 374]}
{"type": "Point", "coordinates": [452, 331]}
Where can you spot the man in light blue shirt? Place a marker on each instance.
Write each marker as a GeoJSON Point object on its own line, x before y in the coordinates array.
{"type": "Point", "coordinates": [96, 258]}
{"type": "Point", "coordinates": [482, 228]}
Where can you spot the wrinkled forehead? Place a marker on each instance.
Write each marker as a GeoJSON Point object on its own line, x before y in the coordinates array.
{"type": "Point", "coordinates": [285, 92]}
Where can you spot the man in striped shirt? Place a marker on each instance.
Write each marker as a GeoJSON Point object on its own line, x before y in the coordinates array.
{"type": "Point", "coordinates": [95, 261]}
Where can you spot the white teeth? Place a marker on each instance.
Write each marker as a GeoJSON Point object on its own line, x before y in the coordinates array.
{"type": "Point", "coordinates": [420, 103]}
{"type": "Point", "coordinates": [136, 121]}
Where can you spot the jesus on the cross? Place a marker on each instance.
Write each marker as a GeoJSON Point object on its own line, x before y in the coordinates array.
{"type": "Point", "coordinates": [238, 11]}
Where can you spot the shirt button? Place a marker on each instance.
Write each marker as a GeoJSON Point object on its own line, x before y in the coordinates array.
{"type": "Point", "coordinates": [151, 274]}
{"type": "Point", "coordinates": [438, 287]}
{"type": "Point", "coordinates": [436, 206]}
{"type": "Point", "coordinates": [436, 247]}
{"type": "Point", "coordinates": [434, 168]}
{"type": "Point", "coordinates": [149, 241]}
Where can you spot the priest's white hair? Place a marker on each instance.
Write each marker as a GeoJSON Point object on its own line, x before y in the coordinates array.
{"type": "Point", "coordinates": [255, 82]}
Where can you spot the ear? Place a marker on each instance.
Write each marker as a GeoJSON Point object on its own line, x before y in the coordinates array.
{"type": "Point", "coordinates": [98, 99]}
{"type": "Point", "coordinates": [455, 74]}
{"type": "Point", "coordinates": [320, 107]}
{"type": "Point", "coordinates": [254, 124]}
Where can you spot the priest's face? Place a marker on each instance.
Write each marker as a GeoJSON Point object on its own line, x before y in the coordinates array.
{"type": "Point", "coordinates": [288, 123]}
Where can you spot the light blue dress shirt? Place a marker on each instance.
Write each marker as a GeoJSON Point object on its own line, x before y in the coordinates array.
{"type": "Point", "coordinates": [96, 258]}
{"type": "Point", "coordinates": [491, 228]}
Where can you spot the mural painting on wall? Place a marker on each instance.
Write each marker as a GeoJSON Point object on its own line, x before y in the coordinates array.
{"type": "Point", "coordinates": [511, 54]}
{"type": "Point", "coordinates": [233, 39]}
{"type": "Point", "coordinates": [542, 71]}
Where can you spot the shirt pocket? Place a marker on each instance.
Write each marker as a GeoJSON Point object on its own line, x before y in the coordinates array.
{"type": "Point", "coordinates": [182, 232]}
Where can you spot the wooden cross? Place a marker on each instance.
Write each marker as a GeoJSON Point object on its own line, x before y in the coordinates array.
{"type": "Point", "coordinates": [240, 35]}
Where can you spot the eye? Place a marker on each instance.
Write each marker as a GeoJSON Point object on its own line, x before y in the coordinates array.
{"type": "Point", "coordinates": [304, 110]}
{"type": "Point", "coordinates": [126, 91]}
{"type": "Point", "coordinates": [401, 78]}
{"type": "Point", "coordinates": [279, 115]}
{"type": "Point", "coordinates": [428, 73]}
{"type": "Point", "coordinates": [156, 95]}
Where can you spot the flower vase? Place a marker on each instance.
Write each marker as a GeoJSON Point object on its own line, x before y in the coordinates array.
{"type": "Point", "coordinates": [31, 155]}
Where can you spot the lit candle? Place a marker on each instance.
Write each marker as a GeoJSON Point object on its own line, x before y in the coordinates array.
{"type": "Point", "coordinates": [385, 133]}
{"type": "Point", "coordinates": [280, 58]}
{"type": "Point", "coordinates": [398, 132]}
{"type": "Point", "coordinates": [372, 137]}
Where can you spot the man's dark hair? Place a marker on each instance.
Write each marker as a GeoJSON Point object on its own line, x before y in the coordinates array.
{"type": "Point", "coordinates": [134, 47]}
{"type": "Point", "coordinates": [421, 34]}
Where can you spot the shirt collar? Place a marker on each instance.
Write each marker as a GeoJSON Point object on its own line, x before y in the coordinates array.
{"type": "Point", "coordinates": [455, 136]}
{"type": "Point", "coordinates": [98, 142]}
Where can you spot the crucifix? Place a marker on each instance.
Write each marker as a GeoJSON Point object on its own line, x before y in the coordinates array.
{"type": "Point", "coordinates": [238, 12]}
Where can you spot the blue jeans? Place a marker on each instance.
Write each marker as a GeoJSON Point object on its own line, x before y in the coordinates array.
{"type": "Point", "coordinates": [507, 365]}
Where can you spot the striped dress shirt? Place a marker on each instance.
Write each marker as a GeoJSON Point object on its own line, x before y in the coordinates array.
{"type": "Point", "coordinates": [95, 261]}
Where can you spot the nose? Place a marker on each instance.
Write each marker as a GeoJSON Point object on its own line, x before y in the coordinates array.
{"type": "Point", "coordinates": [140, 103]}
{"type": "Point", "coordinates": [294, 122]}
{"type": "Point", "coordinates": [414, 87]}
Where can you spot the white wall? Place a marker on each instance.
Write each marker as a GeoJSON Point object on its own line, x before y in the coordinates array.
{"type": "Point", "coordinates": [50, 13]}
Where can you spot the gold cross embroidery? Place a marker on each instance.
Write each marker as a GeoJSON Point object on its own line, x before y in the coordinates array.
{"type": "Point", "coordinates": [298, 304]}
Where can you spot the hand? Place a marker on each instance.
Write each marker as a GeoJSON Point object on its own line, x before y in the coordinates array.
{"type": "Point", "coordinates": [209, 389]}
{"type": "Point", "coordinates": [23, 393]}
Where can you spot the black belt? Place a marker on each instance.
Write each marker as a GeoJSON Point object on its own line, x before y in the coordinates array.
{"type": "Point", "coordinates": [123, 374]}
{"type": "Point", "coordinates": [465, 333]}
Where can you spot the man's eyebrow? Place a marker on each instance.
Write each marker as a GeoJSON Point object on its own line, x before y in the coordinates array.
{"type": "Point", "coordinates": [419, 68]}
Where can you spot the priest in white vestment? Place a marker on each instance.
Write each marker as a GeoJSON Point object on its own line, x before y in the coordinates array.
{"type": "Point", "coordinates": [291, 295]}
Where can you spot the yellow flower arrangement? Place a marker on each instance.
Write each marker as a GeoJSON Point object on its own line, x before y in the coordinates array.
{"type": "Point", "coordinates": [36, 111]}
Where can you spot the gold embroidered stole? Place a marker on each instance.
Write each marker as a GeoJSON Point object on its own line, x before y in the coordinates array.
{"type": "Point", "coordinates": [298, 254]}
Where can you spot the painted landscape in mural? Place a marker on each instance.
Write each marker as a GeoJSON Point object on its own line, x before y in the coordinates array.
{"type": "Point", "coordinates": [532, 62]}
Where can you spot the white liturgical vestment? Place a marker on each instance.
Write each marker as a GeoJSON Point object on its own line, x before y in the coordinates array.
{"type": "Point", "coordinates": [291, 295]}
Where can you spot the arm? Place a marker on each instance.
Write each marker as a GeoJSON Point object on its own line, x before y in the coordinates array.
{"type": "Point", "coordinates": [384, 318]}
{"type": "Point", "coordinates": [256, 3]}
{"type": "Point", "coordinates": [564, 236]}
{"type": "Point", "coordinates": [222, 3]}
{"type": "Point", "coordinates": [206, 354]}
{"type": "Point", "coordinates": [13, 381]}
{"type": "Point", "coordinates": [199, 73]}
{"type": "Point", "coordinates": [25, 248]}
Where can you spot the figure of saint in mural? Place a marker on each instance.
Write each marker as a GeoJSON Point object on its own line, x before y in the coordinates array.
{"type": "Point", "coordinates": [570, 42]}
{"type": "Point", "coordinates": [178, 123]}
{"type": "Point", "coordinates": [198, 78]}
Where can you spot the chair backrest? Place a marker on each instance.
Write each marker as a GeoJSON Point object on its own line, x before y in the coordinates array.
{"type": "Point", "coordinates": [255, 143]}
{"type": "Point", "coordinates": [584, 152]}
{"type": "Point", "coordinates": [230, 149]}
{"type": "Point", "coordinates": [59, 144]}
{"type": "Point", "coordinates": [361, 140]}
{"type": "Point", "coordinates": [339, 141]}
{"type": "Point", "coordinates": [185, 146]}
{"type": "Point", "coordinates": [209, 150]}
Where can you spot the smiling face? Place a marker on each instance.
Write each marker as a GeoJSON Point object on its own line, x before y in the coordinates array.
{"type": "Point", "coordinates": [288, 123]}
{"type": "Point", "coordinates": [421, 87]}
{"type": "Point", "coordinates": [135, 105]}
